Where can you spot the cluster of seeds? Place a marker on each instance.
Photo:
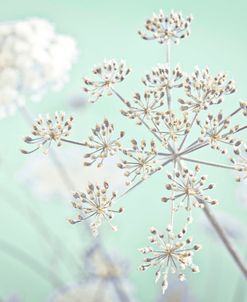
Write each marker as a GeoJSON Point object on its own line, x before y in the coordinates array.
{"type": "Point", "coordinates": [161, 78]}
{"type": "Point", "coordinates": [204, 90]}
{"type": "Point", "coordinates": [95, 204]}
{"type": "Point", "coordinates": [141, 161]}
{"type": "Point", "coordinates": [167, 28]}
{"type": "Point", "coordinates": [45, 130]}
{"type": "Point", "coordinates": [169, 254]}
{"type": "Point", "coordinates": [109, 73]}
{"type": "Point", "coordinates": [102, 143]}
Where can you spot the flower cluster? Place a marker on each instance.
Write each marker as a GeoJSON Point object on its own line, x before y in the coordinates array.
{"type": "Point", "coordinates": [170, 127]}
{"type": "Point", "coordinates": [167, 28]}
{"type": "Point", "coordinates": [109, 73]}
{"type": "Point", "coordinates": [32, 60]}
{"type": "Point", "coordinates": [102, 143]}
{"type": "Point", "coordinates": [146, 107]}
{"type": "Point", "coordinates": [161, 78]}
{"type": "Point", "coordinates": [46, 130]}
{"type": "Point", "coordinates": [189, 189]}
{"type": "Point", "coordinates": [95, 204]}
{"type": "Point", "coordinates": [216, 131]}
{"type": "Point", "coordinates": [204, 90]}
{"type": "Point", "coordinates": [170, 255]}
{"type": "Point", "coordinates": [141, 162]}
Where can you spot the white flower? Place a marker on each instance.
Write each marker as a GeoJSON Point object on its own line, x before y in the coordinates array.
{"type": "Point", "coordinates": [33, 59]}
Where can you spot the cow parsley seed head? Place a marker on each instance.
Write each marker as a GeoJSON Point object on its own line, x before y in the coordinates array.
{"type": "Point", "coordinates": [46, 130]}
{"type": "Point", "coordinates": [164, 29]}
{"type": "Point", "coordinates": [162, 78]}
{"type": "Point", "coordinates": [141, 160]}
{"type": "Point", "coordinates": [145, 107]}
{"type": "Point", "coordinates": [170, 127]}
{"type": "Point", "coordinates": [103, 143]}
{"type": "Point", "coordinates": [95, 204]}
{"type": "Point", "coordinates": [188, 189]}
{"type": "Point", "coordinates": [204, 89]}
{"type": "Point", "coordinates": [109, 73]}
{"type": "Point", "coordinates": [217, 132]}
{"type": "Point", "coordinates": [169, 255]}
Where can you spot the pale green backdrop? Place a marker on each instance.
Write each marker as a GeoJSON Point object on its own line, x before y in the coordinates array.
{"type": "Point", "coordinates": [106, 29]}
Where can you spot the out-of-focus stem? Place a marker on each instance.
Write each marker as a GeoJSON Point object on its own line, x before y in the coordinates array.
{"type": "Point", "coordinates": [32, 263]}
{"type": "Point", "coordinates": [223, 236]}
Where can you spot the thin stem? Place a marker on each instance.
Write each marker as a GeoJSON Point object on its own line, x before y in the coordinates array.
{"type": "Point", "coordinates": [223, 236]}
{"type": "Point", "coordinates": [72, 142]}
{"type": "Point", "coordinates": [203, 162]}
{"type": "Point", "coordinates": [23, 257]}
{"type": "Point", "coordinates": [168, 60]}
{"type": "Point", "coordinates": [185, 137]}
{"type": "Point", "coordinates": [141, 120]}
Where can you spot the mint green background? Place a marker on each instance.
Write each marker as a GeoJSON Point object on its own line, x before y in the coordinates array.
{"type": "Point", "coordinates": [106, 29]}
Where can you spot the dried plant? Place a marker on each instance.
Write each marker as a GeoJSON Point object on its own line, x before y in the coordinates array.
{"type": "Point", "coordinates": [180, 128]}
{"type": "Point", "coordinates": [95, 203]}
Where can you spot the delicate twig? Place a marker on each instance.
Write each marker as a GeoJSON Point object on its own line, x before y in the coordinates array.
{"type": "Point", "coordinates": [203, 162]}
{"type": "Point", "coordinates": [72, 142]}
{"type": "Point", "coordinates": [185, 137]}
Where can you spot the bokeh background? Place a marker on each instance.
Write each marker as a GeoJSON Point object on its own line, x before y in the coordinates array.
{"type": "Point", "coordinates": [108, 29]}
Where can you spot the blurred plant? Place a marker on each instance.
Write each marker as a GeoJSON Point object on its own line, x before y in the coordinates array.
{"type": "Point", "coordinates": [46, 183]}
{"type": "Point", "coordinates": [172, 122]}
{"type": "Point", "coordinates": [32, 60]}
{"type": "Point", "coordinates": [105, 280]}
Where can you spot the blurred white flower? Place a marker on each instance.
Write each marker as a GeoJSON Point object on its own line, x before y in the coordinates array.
{"type": "Point", "coordinates": [33, 58]}
{"type": "Point", "coordinates": [45, 181]}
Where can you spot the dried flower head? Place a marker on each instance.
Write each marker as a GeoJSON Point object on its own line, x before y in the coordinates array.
{"type": "Point", "coordinates": [46, 130]}
{"type": "Point", "coordinates": [169, 127]}
{"type": "Point", "coordinates": [161, 78]}
{"type": "Point", "coordinates": [146, 107]}
{"type": "Point", "coordinates": [204, 90]}
{"type": "Point", "coordinates": [102, 143]}
{"type": "Point", "coordinates": [141, 162]}
{"type": "Point", "coordinates": [170, 255]}
{"type": "Point", "coordinates": [217, 132]}
{"type": "Point", "coordinates": [168, 28]}
{"type": "Point", "coordinates": [96, 204]}
{"type": "Point", "coordinates": [109, 73]}
{"type": "Point", "coordinates": [189, 189]}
